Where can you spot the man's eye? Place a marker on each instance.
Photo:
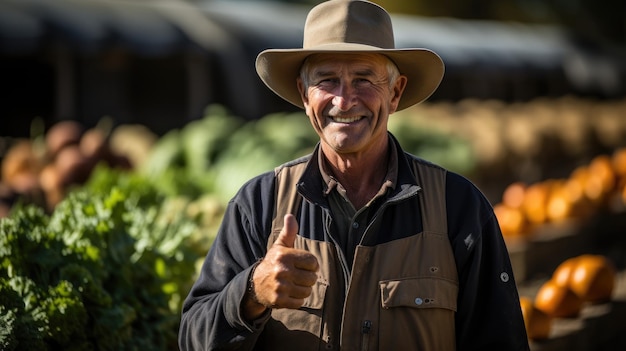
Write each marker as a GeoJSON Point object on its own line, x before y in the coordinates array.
{"type": "Point", "coordinates": [326, 82]}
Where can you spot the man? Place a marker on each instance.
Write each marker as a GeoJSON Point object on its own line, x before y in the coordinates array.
{"type": "Point", "coordinates": [358, 246]}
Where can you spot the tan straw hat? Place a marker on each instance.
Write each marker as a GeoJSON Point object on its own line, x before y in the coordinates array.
{"type": "Point", "coordinates": [350, 27]}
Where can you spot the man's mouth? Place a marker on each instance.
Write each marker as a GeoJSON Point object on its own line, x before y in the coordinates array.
{"type": "Point", "coordinates": [346, 119]}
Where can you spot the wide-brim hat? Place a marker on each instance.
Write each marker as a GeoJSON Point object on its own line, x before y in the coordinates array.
{"type": "Point", "coordinates": [350, 26]}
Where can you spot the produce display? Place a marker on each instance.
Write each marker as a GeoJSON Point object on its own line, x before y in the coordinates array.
{"type": "Point", "coordinates": [575, 283]}
{"type": "Point", "coordinates": [41, 170]}
{"type": "Point", "coordinates": [591, 188]}
{"type": "Point", "coordinates": [105, 271]}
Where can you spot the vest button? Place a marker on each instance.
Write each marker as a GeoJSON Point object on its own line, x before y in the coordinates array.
{"type": "Point", "coordinates": [418, 301]}
{"type": "Point", "coordinates": [504, 276]}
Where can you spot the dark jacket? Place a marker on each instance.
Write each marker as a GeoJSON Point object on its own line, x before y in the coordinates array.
{"type": "Point", "coordinates": [409, 287]}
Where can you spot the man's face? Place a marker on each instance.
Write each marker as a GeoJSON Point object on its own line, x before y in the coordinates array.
{"type": "Point", "coordinates": [348, 99]}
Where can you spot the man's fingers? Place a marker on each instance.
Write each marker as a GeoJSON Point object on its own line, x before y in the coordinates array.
{"type": "Point", "coordinates": [287, 236]}
{"type": "Point", "coordinates": [293, 298]}
{"type": "Point", "coordinates": [300, 292]}
{"type": "Point", "coordinates": [306, 261]}
{"type": "Point", "coordinates": [305, 279]}
{"type": "Point", "coordinates": [292, 303]}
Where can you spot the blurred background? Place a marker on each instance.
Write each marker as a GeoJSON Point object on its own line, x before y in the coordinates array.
{"type": "Point", "coordinates": [160, 63]}
{"type": "Point", "coordinates": [532, 108]}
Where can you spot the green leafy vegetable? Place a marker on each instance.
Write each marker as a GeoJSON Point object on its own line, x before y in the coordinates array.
{"type": "Point", "coordinates": [106, 271]}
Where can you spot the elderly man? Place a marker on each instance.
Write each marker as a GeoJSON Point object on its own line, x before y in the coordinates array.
{"type": "Point", "coordinates": [358, 246]}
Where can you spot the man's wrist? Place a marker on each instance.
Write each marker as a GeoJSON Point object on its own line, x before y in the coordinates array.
{"type": "Point", "coordinates": [250, 289]}
{"type": "Point", "coordinates": [252, 307]}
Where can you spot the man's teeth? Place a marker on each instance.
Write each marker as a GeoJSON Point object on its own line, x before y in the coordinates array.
{"type": "Point", "coordinates": [346, 119]}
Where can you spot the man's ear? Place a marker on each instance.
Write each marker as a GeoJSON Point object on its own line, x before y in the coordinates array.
{"type": "Point", "coordinates": [398, 89]}
{"type": "Point", "coordinates": [303, 93]}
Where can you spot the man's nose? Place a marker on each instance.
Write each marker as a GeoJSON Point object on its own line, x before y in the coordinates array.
{"type": "Point", "coordinates": [345, 97]}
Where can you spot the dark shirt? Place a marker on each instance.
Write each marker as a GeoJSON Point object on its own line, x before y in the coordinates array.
{"type": "Point", "coordinates": [349, 222]}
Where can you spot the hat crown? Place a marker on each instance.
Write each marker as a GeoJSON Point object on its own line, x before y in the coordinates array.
{"type": "Point", "coordinates": [341, 21]}
{"type": "Point", "coordinates": [350, 26]}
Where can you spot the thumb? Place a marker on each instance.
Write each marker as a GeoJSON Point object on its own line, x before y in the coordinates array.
{"type": "Point", "coordinates": [287, 236]}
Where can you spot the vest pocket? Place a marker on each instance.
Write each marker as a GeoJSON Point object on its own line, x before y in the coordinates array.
{"type": "Point", "coordinates": [427, 292]}
{"type": "Point", "coordinates": [418, 313]}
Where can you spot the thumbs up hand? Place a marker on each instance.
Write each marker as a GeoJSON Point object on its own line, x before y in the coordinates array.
{"type": "Point", "coordinates": [283, 279]}
{"type": "Point", "coordinates": [287, 236]}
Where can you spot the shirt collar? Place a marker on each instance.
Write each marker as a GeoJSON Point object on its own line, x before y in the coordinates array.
{"type": "Point", "coordinates": [391, 177]}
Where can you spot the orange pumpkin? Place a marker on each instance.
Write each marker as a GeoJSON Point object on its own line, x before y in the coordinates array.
{"type": "Point", "coordinates": [558, 301]}
{"type": "Point", "coordinates": [538, 324]}
{"type": "Point", "coordinates": [512, 221]}
{"type": "Point", "coordinates": [591, 277]}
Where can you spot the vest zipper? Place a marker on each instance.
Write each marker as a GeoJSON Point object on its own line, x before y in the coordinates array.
{"type": "Point", "coordinates": [365, 334]}
{"type": "Point", "coordinates": [384, 206]}
{"type": "Point", "coordinates": [340, 256]}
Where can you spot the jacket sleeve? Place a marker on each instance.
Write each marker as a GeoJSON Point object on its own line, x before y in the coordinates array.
{"type": "Point", "coordinates": [488, 309]}
{"type": "Point", "coordinates": [211, 315]}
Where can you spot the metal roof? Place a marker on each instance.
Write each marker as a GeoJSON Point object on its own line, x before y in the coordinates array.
{"type": "Point", "coordinates": [159, 27]}
{"type": "Point", "coordinates": [147, 27]}
{"type": "Point", "coordinates": [464, 45]}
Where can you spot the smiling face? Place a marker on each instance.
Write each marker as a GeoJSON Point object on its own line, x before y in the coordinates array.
{"type": "Point", "coordinates": [348, 98]}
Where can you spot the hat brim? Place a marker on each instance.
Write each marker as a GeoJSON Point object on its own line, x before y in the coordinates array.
{"type": "Point", "coordinates": [279, 69]}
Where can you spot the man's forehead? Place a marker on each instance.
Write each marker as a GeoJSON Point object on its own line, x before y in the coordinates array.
{"type": "Point", "coordinates": [348, 56]}
{"type": "Point", "coordinates": [327, 60]}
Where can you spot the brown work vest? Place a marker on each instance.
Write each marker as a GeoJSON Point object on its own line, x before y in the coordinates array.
{"type": "Point", "coordinates": [407, 288]}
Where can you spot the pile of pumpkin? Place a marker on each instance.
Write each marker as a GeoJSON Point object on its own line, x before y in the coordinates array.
{"type": "Point", "coordinates": [576, 282]}
{"type": "Point", "coordinates": [43, 169]}
{"type": "Point", "coordinates": [596, 186]}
